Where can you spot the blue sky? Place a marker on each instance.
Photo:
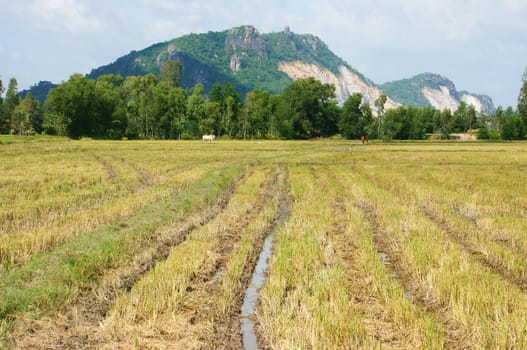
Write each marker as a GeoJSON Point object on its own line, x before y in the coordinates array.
{"type": "Point", "coordinates": [480, 44]}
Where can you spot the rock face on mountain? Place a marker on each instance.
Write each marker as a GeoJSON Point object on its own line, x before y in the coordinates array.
{"type": "Point", "coordinates": [434, 90]}
{"type": "Point", "coordinates": [249, 60]}
{"type": "Point", "coordinates": [246, 38]}
{"type": "Point", "coordinates": [442, 98]}
{"type": "Point", "coordinates": [346, 82]}
{"type": "Point", "coordinates": [482, 103]}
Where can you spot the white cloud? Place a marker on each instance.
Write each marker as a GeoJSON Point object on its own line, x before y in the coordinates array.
{"type": "Point", "coordinates": [59, 15]}
{"type": "Point", "coordinates": [516, 4]}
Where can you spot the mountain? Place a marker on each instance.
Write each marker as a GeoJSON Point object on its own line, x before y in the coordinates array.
{"type": "Point", "coordinates": [434, 90]}
{"type": "Point", "coordinates": [39, 91]}
{"type": "Point", "coordinates": [249, 60]}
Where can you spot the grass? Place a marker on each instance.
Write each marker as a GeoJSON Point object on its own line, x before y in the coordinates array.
{"type": "Point", "coordinates": [171, 287]}
{"type": "Point", "coordinates": [306, 301]}
{"type": "Point", "coordinates": [50, 280]}
{"type": "Point", "coordinates": [402, 245]}
{"type": "Point", "coordinates": [387, 297]}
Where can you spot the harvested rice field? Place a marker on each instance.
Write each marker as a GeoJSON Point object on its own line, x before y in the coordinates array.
{"type": "Point", "coordinates": [262, 245]}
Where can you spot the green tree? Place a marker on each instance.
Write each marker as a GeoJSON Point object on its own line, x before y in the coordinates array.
{"type": "Point", "coordinates": [140, 106]}
{"type": "Point", "coordinates": [511, 126]}
{"type": "Point", "coordinates": [356, 117]}
{"type": "Point", "coordinates": [522, 100]}
{"type": "Point", "coordinates": [109, 107]}
{"type": "Point", "coordinates": [430, 119]}
{"type": "Point", "coordinates": [160, 118]}
{"type": "Point", "coordinates": [195, 111]}
{"type": "Point", "coordinates": [484, 133]}
{"type": "Point", "coordinates": [10, 103]}
{"type": "Point", "coordinates": [257, 114]}
{"type": "Point", "coordinates": [394, 124]}
{"type": "Point", "coordinates": [464, 117]}
{"type": "Point", "coordinates": [132, 91]}
{"type": "Point", "coordinates": [169, 111]}
{"type": "Point", "coordinates": [380, 102]}
{"type": "Point", "coordinates": [281, 120]}
{"type": "Point", "coordinates": [1, 107]}
{"type": "Point", "coordinates": [73, 103]}
{"type": "Point", "coordinates": [211, 121]}
{"type": "Point", "coordinates": [27, 117]}
{"type": "Point", "coordinates": [230, 105]}
{"type": "Point", "coordinates": [85, 107]}
{"type": "Point", "coordinates": [280, 125]}
{"type": "Point", "coordinates": [498, 117]}
{"type": "Point", "coordinates": [405, 123]}
{"type": "Point", "coordinates": [311, 108]}
{"type": "Point", "coordinates": [472, 120]}
{"type": "Point", "coordinates": [216, 93]}
{"type": "Point", "coordinates": [460, 118]}
{"type": "Point", "coordinates": [447, 123]}
{"type": "Point", "coordinates": [177, 112]}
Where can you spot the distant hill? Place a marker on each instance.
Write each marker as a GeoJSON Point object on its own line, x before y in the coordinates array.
{"type": "Point", "coordinates": [249, 60]}
{"type": "Point", "coordinates": [39, 91]}
{"type": "Point", "coordinates": [434, 90]}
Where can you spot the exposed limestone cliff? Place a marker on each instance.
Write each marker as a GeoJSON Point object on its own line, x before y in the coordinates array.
{"type": "Point", "coordinates": [482, 103]}
{"type": "Point", "coordinates": [444, 99]}
{"type": "Point", "coordinates": [346, 83]}
{"type": "Point", "coordinates": [440, 98]}
{"type": "Point", "coordinates": [472, 100]}
{"type": "Point", "coordinates": [429, 89]}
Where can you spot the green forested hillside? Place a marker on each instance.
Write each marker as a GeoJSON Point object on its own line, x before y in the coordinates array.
{"type": "Point", "coordinates": [241, 56]}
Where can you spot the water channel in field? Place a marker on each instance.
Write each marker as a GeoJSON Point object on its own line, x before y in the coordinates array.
{"type": "Point", "coordinates": [250, 300]}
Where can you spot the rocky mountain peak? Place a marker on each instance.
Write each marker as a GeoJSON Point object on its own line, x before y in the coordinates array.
{"type": "Point", "coordinates": [246, 38]}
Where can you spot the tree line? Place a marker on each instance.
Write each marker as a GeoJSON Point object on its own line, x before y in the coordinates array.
{"type": "Point", "coordinates": [156, 107]}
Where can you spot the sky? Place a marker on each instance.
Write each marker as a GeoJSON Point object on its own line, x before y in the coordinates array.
{"type": "Point", "coordinates": [481, 45]}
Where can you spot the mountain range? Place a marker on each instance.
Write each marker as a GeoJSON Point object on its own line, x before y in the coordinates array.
{"type": "Point", "coordinates": [271, 61]}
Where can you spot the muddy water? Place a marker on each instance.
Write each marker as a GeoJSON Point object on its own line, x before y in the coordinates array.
{"type": "Point", "coordinates": [250, 300]}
